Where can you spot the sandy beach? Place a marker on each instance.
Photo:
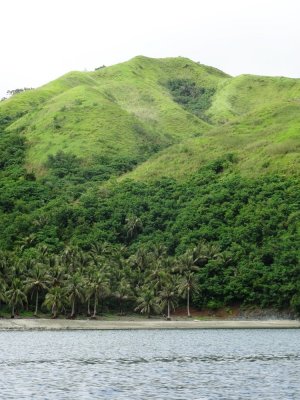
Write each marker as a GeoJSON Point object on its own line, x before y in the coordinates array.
{"type": "Point", "coordinates": [64, 324]}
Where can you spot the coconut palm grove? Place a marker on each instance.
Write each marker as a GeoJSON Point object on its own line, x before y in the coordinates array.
{"type": "Point", "coordinates": [147, 186]}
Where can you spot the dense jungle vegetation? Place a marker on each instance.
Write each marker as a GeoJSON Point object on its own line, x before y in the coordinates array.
{"type": "Point", "coordinates": [227, 239]}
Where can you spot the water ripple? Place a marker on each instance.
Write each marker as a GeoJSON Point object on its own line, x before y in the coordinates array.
{"type": "Point", "coordinates": [141, 360]}
{"type": "Point", "coordinates": [150, 365]}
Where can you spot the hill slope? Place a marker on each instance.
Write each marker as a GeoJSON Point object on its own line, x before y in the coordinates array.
{"type": "Point", "coordinates": [124, 109]}
{"type": "Point", "coordinates": [261, 142]}
{"type": "Point", "coordinates": [207, 170]}
{"type": "Point", "coordinates": [133, 110]}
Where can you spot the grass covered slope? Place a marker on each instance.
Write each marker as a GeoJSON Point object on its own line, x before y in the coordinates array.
{"type": "Point", "coordinates": [254, 119]}
{"type": "Point", "coordinates": [169, 116]}
{"type": "Point", "coordinates": [125, 109]}
{"type": "Point", "coordinates": [249, 93]}
{"type": "Point", "coordinates": [262, 142]}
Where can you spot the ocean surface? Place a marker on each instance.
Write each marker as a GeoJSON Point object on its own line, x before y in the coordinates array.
{"type": "Point", "coordinates": [157, 364]}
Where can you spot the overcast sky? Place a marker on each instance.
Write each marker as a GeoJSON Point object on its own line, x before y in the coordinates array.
{"type": "Point", "coordinates": [43, 39]}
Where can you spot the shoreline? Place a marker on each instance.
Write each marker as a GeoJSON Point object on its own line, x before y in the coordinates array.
{"type": "Point", "coordinates": [28, 324]}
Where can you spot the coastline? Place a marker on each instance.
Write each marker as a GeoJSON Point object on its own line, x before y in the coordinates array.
{"type": "Point", "coordinates": [28, 324]}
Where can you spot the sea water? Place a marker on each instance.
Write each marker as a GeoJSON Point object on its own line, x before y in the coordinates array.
{"type": "Point", "coordinates": [150, 364]}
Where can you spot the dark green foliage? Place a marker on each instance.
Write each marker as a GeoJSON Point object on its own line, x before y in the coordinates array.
{"type": "Point", "coordinates": [62, 164]}
{"type": "Point", "coordinates": [66, 165]}
{"type": "Point", "coordinates": [11, 150]}
{"type": "Point", "coordinates": [253, 222]}
{"type": "Point", "coordinates": [5, 120]}
{"type": "Point", "coordinates": [194, 98]}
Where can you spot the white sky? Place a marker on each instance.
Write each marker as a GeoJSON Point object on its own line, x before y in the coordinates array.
{"type": "Point", "coordinates": [43, 39]}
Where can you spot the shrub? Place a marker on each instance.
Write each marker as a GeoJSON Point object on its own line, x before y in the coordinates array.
{"type": "Point", "coordinates": [195, 99]}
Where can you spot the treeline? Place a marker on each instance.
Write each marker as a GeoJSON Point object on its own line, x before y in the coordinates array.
{"type": "Point", "coordinates": [12, 92]}
{"type": "Point", "coordinates": [77, 281]}
{"type": "Point", "coordinates": [254, 223]}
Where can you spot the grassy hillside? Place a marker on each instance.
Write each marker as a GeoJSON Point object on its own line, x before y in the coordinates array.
{"type": "Point", "coordinates": [170, 116]}
{"type": "Point", "coordinates": [261, 142]}
{"type": "Point", "coordinates": [249, 93]}
{"type": "Point", "coordinates": [124, 109]}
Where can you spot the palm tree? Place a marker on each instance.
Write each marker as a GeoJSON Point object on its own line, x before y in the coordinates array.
{"type": "Point", "coordinates": [186, 262]}
{"type": "Point", "coordinates": [138, 264]}
{"type": "Point", "coordinates": [123, 293]}
{"type": "Point", "coordinates": [83, 261]}
{"type": "Point", "coordinates": [70, 259]}
{"type": "Point", "coordinates": [147, 302]}
{"type": "Point", "coordinates": [2, 290]}
{"type": "Point", "coordinates": [159, 251]}
{"type": "Point", "coordinates": [16, 295]}
{"type": "Point", "coordinates": [28, 241]}
{"type": "Point", "coordinates": [37, 281]}
{"type": "Point", "coordinates": [188, 283]}
{"type": "Point", "coordinates": [87, 288]}
{"type": "Point", "coordinates": [204, 252]}
{"type": "Point", "coordinates": [57, 272]}
{"type": "Point", "coordinates": [54, 300]}
{"type": "Point", "coordinates": [133, 226]}
{"type": "Point", "coordinates": [141, 259]}
{"type": "Point", "coordinates": [168, 295]}
{"type": "Point", "coordinates": [6, 264]}
{"type": "Point", "coordinates": [157, 276]}
{"type": "Point", "coordinates": [75, 290]}
{"type": "Point", "coordinates": [190, 262]}
{"type": "Point", "coordinates": [100, 249]}
{"type": "Point", "coordinates": [43, 252]}
{"type": "Point", "coordinates": [99, 288]}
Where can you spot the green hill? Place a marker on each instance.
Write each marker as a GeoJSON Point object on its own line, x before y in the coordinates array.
{"type": "Point", "coordinates": [125, 109]}
{"type": "Point", "coordinates": [142, 107]}
{"type": "Point", "coordinates": [148, 168]}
